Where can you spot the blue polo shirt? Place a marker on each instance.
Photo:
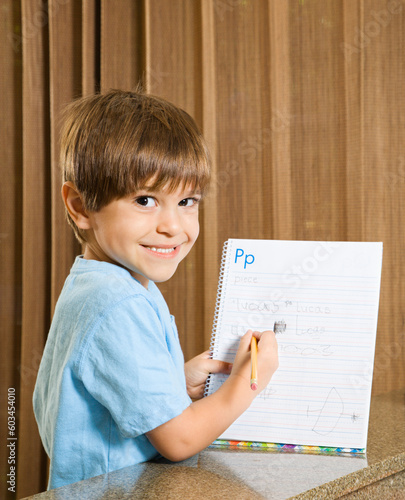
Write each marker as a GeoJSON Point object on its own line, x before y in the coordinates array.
{"type": "Point", "coordinates": [112, 370]}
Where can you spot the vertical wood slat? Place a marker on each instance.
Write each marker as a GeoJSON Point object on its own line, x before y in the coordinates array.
{"type": "Point", "coordinates": [280, 125]}
{"type": "Point", "coordinates": [121, 44]}
{"type": "Point", "coordinates": [171, 55]}
{"type": "Point", "coordinates": [89, 46]}
{"type": "Point", "coordinates": [10, 222]}
{"type": "Point", "coordinates": [209, 215]}
{"type": "Point", "coordinates": [243, 106]}
{"type": "Point", "coordinates": [65, 38]}
{"type": "Point", "coordinates": [35, 319]}
{"type": "Point", "coordinates": [354, 112]}
{"type": "Point", "coordinates": [318, 134]}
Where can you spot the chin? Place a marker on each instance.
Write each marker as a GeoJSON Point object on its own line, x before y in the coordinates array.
{"type": "Point", "coordinates": [161, 278]}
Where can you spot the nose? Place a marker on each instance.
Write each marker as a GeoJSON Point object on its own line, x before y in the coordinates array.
{"type": "Point", "coordinates": [169, 222]}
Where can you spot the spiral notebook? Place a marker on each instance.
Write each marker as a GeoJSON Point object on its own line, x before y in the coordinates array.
{"type": "Point", "coordinates": [326, 295]}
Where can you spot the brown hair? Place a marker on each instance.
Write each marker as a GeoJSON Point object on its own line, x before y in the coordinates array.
{"type": "Point", "coordinates": [115, 143]}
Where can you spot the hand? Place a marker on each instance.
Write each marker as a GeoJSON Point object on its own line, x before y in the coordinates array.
{"type": "Point", "coordinates": [267, 358]}
{"type": "Point", "coordinates": [197, 371]}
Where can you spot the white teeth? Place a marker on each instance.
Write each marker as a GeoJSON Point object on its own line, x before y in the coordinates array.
{"type": "Point", "coordinates": [161, 250]}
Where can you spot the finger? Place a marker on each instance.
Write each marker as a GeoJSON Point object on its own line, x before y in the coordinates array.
{"type": "Point", "coordinates": [244, 343]}
{"type": "Point", "coordinates": [217, 366]}
{"type": "Point", "coordinates": [267, 334]}
{"type": "Point", "coordinates": [197, 392]}
{"type": "Point", "coordinates": [259, 335]}
{"type": "Point", "coordinates": [267, 340]}
{"type": "Point", "coordinates": [203, 355]}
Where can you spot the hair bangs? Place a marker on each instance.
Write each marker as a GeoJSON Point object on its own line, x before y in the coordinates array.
{"type": "Point", "coordinates": [169, 153]}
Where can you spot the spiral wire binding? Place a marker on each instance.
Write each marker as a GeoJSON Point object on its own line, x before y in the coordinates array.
{"type": "Point", "coordinates": [218, 308]}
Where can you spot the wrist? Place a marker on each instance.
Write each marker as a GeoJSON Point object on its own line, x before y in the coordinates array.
{"type": "Point", "coordinates": [239, 389]}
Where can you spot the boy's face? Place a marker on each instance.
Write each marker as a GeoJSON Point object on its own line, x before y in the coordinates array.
{"type": "Point", "coordinates": [149, 233]}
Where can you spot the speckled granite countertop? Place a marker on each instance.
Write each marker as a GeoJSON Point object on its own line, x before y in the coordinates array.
{"type": "Point", "coordinates": [245, 474]}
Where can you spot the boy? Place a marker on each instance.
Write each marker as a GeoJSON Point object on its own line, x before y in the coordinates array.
{"type": "Point", "coordinates": [112, 388]}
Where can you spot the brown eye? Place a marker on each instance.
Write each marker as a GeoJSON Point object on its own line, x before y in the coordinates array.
{"type": "Point", "coordinates": [188, 202]}
{"type": "Point", "coordinates": [145, 201]}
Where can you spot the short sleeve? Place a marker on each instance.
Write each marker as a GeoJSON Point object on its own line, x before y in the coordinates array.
{"type": "Point", "coordinates": [126, 365]}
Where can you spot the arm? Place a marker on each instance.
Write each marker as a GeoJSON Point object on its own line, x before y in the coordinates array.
{"type": "Point", "coordinates": [204, 420]}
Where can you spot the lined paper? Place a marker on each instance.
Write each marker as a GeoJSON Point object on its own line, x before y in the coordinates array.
{"type": "Point", "coordinates": [327, 293]}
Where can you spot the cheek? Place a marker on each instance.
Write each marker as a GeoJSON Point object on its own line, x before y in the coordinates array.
{"type": "Point", "coordinates": [191, 228]}
{"type": "Point", "coordinates": [195, 231]}
{"type": "Point", "coordinates": [110, 232]}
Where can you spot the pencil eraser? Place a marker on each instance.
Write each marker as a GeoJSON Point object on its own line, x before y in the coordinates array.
{"type": "Point", "coordinates": [253, 386]}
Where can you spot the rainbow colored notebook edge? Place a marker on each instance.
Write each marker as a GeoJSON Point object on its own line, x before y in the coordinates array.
{"type": "Point", "coordinates": [286, 448]}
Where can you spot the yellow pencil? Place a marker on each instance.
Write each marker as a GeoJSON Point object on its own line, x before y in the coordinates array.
{"type": "Point", "coordinates": [253, 357]}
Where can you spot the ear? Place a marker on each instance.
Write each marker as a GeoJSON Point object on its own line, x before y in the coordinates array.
{"type": "Point", "coordinates": [74, 205]}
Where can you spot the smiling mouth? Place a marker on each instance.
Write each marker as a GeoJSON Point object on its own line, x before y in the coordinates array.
{"type": "Point", "coordinates": [164, 252]}
{"type": "Point", "coordinates": [161, 250]}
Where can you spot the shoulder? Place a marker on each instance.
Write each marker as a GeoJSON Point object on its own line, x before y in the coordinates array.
{"type": "Point", "coordinates": [99, 296]}
{"type": "Point", "coordinates": [101, 285]}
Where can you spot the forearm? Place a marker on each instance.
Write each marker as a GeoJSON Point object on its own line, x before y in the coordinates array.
{"type": "Point", "coordinates": [206, 419]}
{"type": "Point", "coordinates": [203, 421]}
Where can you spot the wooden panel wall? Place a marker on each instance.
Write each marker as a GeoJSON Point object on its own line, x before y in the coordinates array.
{"type": "Point", "coordinates": [382, 187]}
{"type": "Point", "coordinates": [301, 102]}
